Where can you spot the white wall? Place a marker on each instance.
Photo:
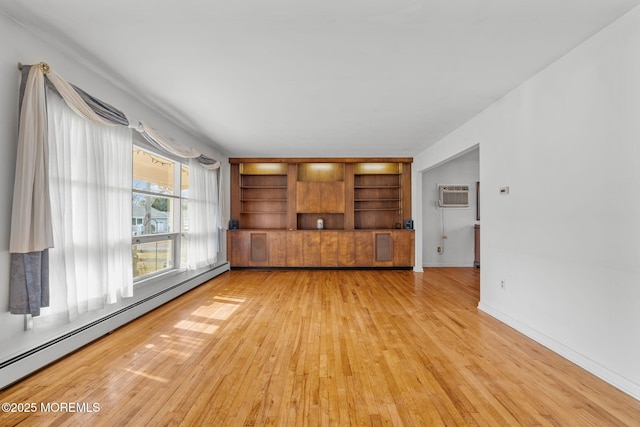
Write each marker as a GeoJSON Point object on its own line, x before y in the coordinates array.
{"type": "Point", "coordinates": [457, 223]}
{"type": "Point", "coordinates": [20, 45]}
{"type": "Point", "coordinates": [566, 240]}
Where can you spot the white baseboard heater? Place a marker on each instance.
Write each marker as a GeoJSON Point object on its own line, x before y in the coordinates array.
{"type": "Point", "coordinates": [38, 357]}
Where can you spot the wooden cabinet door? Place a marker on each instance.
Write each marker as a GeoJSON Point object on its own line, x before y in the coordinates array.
{"type": "Point", "coordinates": [332, 197]}
{"type": "Point", "coordinates": [277, 241]}
{"type": "Point", "coordinates": [252, 248]}
{"type": "Point", "coordinates": [311, 250]}
{"type": "Point", "coordinates": [392, 248]}
{"type": "Point", "coordinates": [364, 248]}
{"type": "Point", "coordinates": [238, 248]}
{"type": "Point", "coordinates": [320, 197]}
{"type": "Point", "coordinates": [295, 245]}
{"type": "Point", "coordinates": [329, 248]}
{"type": "Point", "coordinates": [346, 249]}
{"type": "Point", "coordinates": [258, 249]}
{"type": "Point", "coordinates": [383, 249]}
{"type": "Point", "coordinates": [403, 253]}
{"type": "Point", "coordinates": [308, 197]}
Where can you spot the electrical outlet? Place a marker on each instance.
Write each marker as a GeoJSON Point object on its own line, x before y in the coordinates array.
{"type": "Point", "coordinates": [439, 249]}
{"type": "Point", "coordinates": [503, 284]}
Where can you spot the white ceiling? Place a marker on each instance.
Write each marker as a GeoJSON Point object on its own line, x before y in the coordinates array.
{"type": "Point", "coordinates": [330, 78]}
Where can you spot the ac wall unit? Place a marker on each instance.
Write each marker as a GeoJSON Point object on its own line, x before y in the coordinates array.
{"type": "Point", "coordinates": [453, 196]}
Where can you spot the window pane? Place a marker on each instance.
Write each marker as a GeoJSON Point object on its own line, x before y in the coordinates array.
{"type": "Point", "coordinates": [151, 214]}
{"type": "Point", "coordinates": [152, 173]}
{"type": "Point", "coordinates": [159, 213]}
{"type": "Point", "coordinates": [151, 257]}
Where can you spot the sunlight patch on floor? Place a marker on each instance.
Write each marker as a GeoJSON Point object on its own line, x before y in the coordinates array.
{"type": "Point", "coordinates": [219, 309]}
{"type": "Point", "coordinates": [192, 326]}
{"type": "Point", "coordinates": [151, 377]}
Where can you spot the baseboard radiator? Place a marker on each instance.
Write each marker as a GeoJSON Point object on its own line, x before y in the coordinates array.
{"type": "Point", "coordinates": [37, 358]}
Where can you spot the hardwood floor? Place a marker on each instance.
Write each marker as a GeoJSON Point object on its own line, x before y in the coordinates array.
{"type": "Point", "coordinates": [362, 348]}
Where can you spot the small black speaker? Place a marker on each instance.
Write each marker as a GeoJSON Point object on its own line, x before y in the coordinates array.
{"type": "Point", "coordinates": [233, 224]}
{"type": "Point", "coordinates": [408, 224]}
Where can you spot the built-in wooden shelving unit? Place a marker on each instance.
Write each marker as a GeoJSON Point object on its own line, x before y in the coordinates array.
{"type": "Point", "coordinates": [363, 204]}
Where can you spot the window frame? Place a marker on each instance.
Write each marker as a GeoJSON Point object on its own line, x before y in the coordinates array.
{"type": "Point", "coordinates": [176, 199]}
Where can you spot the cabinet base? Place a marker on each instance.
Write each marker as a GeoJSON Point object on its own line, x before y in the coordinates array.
{"type": "Point", "coordinates": [319, 268]}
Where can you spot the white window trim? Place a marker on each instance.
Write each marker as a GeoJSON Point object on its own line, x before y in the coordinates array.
{"type": "Point", "coordinates": [176, 200]}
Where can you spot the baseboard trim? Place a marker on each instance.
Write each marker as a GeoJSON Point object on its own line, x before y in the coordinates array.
{"type": "Point", "coordinates": [584, 362]}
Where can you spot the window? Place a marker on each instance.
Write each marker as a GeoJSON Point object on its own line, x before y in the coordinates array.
{"type": "Point", "coordinates": [160, 189]}
{"type": "Point", "coordinates": [77, 171]}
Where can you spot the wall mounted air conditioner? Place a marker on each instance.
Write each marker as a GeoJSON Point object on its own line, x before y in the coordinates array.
{"type": "Point", "coordinates": [453, 196]}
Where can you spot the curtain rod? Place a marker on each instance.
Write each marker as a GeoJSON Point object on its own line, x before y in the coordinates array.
{"type": "Point", "coordinates": [44, 67]}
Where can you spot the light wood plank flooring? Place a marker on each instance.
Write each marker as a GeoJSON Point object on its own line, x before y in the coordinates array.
{"type": "Point", "coordinates": [320, 348]}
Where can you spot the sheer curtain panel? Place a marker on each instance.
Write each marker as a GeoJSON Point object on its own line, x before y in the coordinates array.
{"type": "Point", "coordinates": [203, 215]}
{"type": "Point", "coordinates": [90, 177]}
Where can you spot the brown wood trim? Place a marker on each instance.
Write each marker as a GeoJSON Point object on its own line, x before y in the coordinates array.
{"type": "Point", "coordinates": [406, 192]}
{"type": "Point", "coordinates": [234, 184]}
{"type": "Point", "coordinates": [292, 215]}
{"type": "Point", "coordinates": [348, 197]}
{"type": "Point", "coordinates": [237, 160]}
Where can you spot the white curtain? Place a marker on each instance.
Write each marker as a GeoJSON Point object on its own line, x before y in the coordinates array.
{"type": "Point", "coordinates": [90, 176]}
{"type": "Point", "coordinates": [203, 215]}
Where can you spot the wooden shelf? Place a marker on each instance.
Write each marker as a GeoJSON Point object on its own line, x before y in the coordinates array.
{"type": "Point", "coordinates": [332, 221]}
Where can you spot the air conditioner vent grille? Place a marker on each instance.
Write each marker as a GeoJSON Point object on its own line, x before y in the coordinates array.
{"type": "Point", "coordinates": [453, 196]}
